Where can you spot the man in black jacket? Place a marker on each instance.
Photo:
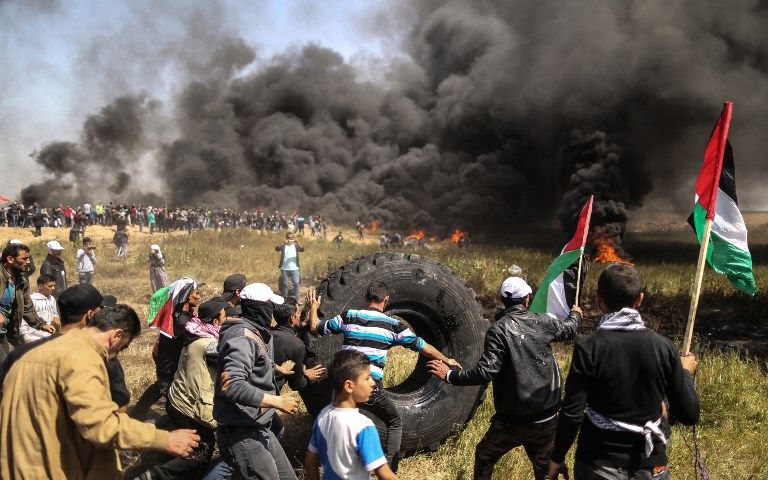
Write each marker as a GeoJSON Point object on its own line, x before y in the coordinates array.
{"type": "Point", "coordinates": [288, 346]}
{"type": "Point", "coordinates": [54, 266]}
{"type": "Point", "coordinates": [517, 358]}
{"type": "Point", "coordinates": [618, 378]}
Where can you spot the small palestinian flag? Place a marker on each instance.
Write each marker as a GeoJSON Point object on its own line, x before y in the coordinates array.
{"type": "Point", "coordinates": [716, 200]}
{"type": "Point", "coordinates": [164, 303]}
{"type": "Point", "coordinates": [557, 292]}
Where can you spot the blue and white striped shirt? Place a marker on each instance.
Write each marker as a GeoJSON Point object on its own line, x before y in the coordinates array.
{"type": "Point", "coordinates": [372, 333]}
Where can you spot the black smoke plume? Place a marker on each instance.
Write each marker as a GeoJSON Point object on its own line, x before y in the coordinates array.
{"type": "Point", "coordinates": [503, 112]}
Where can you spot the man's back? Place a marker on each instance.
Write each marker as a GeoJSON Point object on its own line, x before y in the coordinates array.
{"type": "Point", "coordinates": [56, 417]}
{"type": "Point", "coordinates": [623, 376]}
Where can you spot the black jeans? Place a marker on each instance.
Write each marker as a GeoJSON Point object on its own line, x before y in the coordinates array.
{"type": "Point", "coordinates": [382, 406]}
{"type": "Point", "coordinates": [586, 471]}
{"type": "Point", "coordinates": [195, 466]}
{"type": "Point", "coordinates": [538, 439]}
{"type": "Point", "coordinates": [254, 453]}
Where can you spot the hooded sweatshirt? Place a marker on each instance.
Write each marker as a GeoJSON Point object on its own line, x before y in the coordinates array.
{"type": "Point", "coordinates": [245, 352]}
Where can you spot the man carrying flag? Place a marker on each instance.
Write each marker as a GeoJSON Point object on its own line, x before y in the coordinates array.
{"type": "Point", "coordinates": [518, 359]}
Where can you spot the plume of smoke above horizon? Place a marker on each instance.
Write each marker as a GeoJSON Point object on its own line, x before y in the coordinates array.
{"type": "Point", "coordinates": [503, 112]}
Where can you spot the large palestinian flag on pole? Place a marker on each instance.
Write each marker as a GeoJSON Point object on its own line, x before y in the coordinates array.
{"type": "Point", "coordinates": [164, 302]}
{"type": "Point", "coordinates": [557, 292]}
{"type": "Point", "coordinates": [716, 200]}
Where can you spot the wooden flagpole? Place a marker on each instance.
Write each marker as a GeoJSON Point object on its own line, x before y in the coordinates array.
{"type": "Point", "coordinates": [578, 280]}
{"type": "Point", "coordinates": [697, 285]}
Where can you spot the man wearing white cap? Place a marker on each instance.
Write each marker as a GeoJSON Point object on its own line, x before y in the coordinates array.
{"type": "Point", "coordinates": [518, 360]}
{"type": "Point", "coordinates": [54, 266]}
{"type": "Point", "coordinates": [243, 410]}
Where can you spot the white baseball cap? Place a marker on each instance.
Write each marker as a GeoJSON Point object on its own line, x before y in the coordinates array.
{"type": "Point", "coordinates": [260, 292]}
{"type": "Point", "coordinates": [15, 241]}
{"type": "Point", "coordinates": [54, 245]}
{"type": "Point", "coordinates": [515, 287]}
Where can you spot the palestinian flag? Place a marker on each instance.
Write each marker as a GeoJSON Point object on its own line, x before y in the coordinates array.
{"type": "Point", "coordinates": [557, 292]}
{"type": "Point", "coordinates": [164, 303]}
{"type": "Point", "coordinates": [716, 200]}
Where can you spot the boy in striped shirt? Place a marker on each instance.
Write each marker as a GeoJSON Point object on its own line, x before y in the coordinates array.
{"type": "Point", "coordinates": [372, 332]}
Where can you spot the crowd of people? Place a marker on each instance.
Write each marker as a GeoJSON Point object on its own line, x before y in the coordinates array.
{"type": "Point", "coordinates": [161, 219]}
{"type": "Point", "coordinates": [221, 365]}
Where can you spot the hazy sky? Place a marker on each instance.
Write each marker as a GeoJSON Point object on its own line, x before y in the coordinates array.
{"type": "Point", "coordinates": [51, 54]}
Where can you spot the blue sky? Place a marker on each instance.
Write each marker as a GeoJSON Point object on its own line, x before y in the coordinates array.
{"type": "Point", "coordinates": [61, 60]}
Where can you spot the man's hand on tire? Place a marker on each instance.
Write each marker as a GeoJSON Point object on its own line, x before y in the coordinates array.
{"type": "Point", "coordinates": [314, 373]}
{"type": "Point", "coordinates": [287, 404]}
{"type": "Point", "coordinates": [286, 368]}
{"type": "Point", "coordinates": [438, 368]}
{"type": "Point", "coordinates": [453, 363]}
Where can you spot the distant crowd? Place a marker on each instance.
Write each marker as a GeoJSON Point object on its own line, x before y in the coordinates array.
{"type": "Point", "coordinates": [162, 219]}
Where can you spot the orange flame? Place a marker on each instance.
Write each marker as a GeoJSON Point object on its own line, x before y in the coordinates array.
{"type": "Point", "coordinates": [457, 235]}
{"type": "Point", "coordinates": [605, 250]}
{"type": "Point", "coordinates": [416, 235]}
{"type": "Point", "coordinates": [433, 238]}
{"type": "Point", "coordinates": [375, 225]}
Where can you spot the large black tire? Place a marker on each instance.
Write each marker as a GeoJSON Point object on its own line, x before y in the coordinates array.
{"type": "Point", "coordinates": [442, 310]}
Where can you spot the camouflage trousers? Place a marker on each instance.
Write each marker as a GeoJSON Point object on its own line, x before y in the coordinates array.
{"type": "Point", "coordinates": [502, 436]}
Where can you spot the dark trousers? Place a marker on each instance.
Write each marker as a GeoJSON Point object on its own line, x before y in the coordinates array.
{"type": "Point", "coordinates": [254, 453]}
{"type": "Point", "coordinates": [382, 406]}
{"type": "Point", "coordinates": [538, 439]}
{"type": "Point", "coordinates": [586, 471]}
{"type": "Point", "coordinates": [86, 278]}
{"type": "Point", "coordinates": [195, 466]}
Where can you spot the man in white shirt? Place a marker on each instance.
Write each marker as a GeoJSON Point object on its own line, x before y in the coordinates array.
{"type": "Point", "coordinates": [86, 260]}
{"type": "Point", "coordinates": [290, 268]}
{"type": "Point", "coordinates": [45, 306]}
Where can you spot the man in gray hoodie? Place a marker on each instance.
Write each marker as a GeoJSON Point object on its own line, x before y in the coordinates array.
{"type": "Point", "coordinates": [245, 396]}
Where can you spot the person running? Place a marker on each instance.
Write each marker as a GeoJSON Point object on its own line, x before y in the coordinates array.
{"type": "Point", "coordinates": [619, 376]}
{"type": "Point", "coordinates": [517, 358]}
{"type": "Point", "coordinates": [120, 239]}
{"type": "Point", "coordinates": [372, 332]}
{"type": "Point", "coordinates": [345, 440]}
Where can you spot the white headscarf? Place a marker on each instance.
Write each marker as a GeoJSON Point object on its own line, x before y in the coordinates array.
{"type": "Point", "coordinates": [156, 247]}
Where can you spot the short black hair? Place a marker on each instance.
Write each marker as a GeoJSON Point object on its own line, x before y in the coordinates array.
{"type": "Point", "coordinates": [45, 278]}
{"type": "Point", "coordinates": [14, 250]}
{"type": "Point", "coordinates": [284, 312]}
{"type": "Point", "coordinates": [117, 316]}
{"type": "Point", "coordinates": [619, 285]}
{"type": "Point", "coordinates": [87, 239]}
{"type": "Point", "coordinates": [377, 292]}
{"type": "Point", "coordinates": [510, 302]}
{"type": "Point", "coordinates": [346, 365]}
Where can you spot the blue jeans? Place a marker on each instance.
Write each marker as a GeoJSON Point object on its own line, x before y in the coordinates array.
{"type": "Point", "coordinates": [586, 471]}
{"type": "Point", "coordinates": [254, 453]}
{"type": "Point", "coordinates": [294, 276]}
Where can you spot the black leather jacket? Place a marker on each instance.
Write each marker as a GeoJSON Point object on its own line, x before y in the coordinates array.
{"type": "Point", "coordinates": [518, 359]}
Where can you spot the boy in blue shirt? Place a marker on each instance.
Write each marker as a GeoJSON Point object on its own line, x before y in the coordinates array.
{"type": "Point", "coordinates": [345, 440]}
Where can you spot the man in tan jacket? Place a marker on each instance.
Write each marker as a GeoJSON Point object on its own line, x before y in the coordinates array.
{"type": "Point", "coordinates": [57, 420]}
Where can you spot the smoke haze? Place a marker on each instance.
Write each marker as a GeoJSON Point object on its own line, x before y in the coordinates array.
{"type": "Point", "coordinates": [499, 112]}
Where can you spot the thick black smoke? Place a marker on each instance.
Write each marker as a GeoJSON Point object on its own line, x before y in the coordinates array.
{"type": "Point", "coordinates": [504, 112]}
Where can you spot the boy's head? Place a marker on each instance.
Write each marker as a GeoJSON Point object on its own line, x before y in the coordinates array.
{"type": "Point", "coordinates": [377, 292]}
{"type": "Point", "coordinates": [619, 286]}
{"type": "Point", "coordinates": [350, 374]}
{"type": "Point", "coordinates": [87, 242]}
{"type": "Point", "coordinates": [46, 284]}
{"type": "Point", "coordinates": [287, 314]}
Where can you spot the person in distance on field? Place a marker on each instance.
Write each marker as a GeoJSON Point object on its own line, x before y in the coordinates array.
{"type": "Point", "coordinates": [618, 378]}
{"type": "Point", "coordinates": [518, 359]}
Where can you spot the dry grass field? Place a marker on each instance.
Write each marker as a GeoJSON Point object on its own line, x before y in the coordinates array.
{"type": "Point", "coordinates": [733, 387]}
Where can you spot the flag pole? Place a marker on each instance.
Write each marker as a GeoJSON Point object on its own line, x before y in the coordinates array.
{"type": "Point", "coordinates": [578, 279]}
{"type": "Point", "coordinates": [697, 285]}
